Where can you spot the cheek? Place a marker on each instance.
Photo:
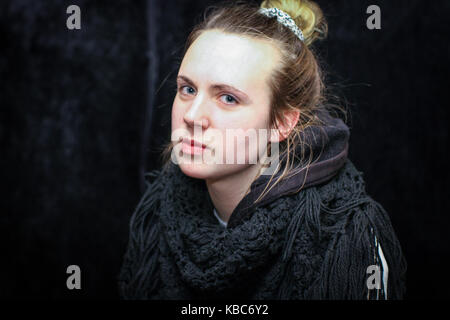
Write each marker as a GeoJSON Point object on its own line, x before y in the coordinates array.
{"type": "Point", "coordinates": [244, 140]}
{"type": "Point", "coordinates": [177, 115]}
{"type": "Point", "coordinates": [245, 119]}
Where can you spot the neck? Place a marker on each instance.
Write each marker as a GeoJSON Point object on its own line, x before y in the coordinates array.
{"type": "Point", "coordinates": [228, 191]}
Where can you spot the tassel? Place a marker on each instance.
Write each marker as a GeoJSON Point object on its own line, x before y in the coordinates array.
{"type": "Point", "coordinates": [306, 215]}
{"type": "Point", "coordinates": [138, 276]}
{"type": "Point", "coordinates": [354, 248]}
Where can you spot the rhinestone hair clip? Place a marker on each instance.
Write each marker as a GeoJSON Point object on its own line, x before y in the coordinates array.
{"type": "Point", "coordinates": [283, 18]}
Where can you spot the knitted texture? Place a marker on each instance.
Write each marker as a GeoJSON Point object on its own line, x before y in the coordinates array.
{"type": "Point", "coordinates": [313, 244]}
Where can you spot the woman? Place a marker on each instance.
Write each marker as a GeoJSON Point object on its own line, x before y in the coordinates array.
{"type": "Point", "coordinates": [295, 224]}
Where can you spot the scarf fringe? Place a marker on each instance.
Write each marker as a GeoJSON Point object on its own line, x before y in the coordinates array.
{"type": "Point", "coordinates": [306, 215]}
{"type": "Point", "coordinates": [138, 276]}
{"type": "Point", "coordinates": [354, 248]}
{"type": "Point", "coordinates": [359, 227]}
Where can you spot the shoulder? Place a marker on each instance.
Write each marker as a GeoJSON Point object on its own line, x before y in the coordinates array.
{"type": "Point", "coordinates": [143, 238]}
{"type": "Point", "coordinates": [348, 183]}
{"type": "Point", "coordinates": [156, 183]}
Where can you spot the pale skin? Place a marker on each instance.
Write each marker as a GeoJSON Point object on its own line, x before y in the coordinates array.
{"type": "Point", "coordinates": [245, 64]}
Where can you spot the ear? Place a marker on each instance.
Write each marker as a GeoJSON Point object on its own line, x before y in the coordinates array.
{"type": "Point", "coordinates": [285, 125]}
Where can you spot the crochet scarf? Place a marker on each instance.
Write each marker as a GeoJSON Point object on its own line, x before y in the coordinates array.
{"type": "Point", "coordinates": [313, 244]}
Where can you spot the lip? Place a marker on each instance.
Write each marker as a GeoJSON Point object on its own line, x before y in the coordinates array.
{"type": "Point", "coordinates": [191, 146]}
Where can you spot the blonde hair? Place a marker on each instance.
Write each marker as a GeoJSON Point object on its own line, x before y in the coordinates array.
{"type": "Point", "coordinates": [296, 85]}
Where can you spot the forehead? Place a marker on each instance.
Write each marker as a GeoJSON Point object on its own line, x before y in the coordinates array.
{"type": "Point", "coordinates": [236, 60]}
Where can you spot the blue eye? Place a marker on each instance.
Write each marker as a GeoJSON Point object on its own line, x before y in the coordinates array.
{"type": "Point", "coordinates": [228, 101]}
{"type": "Point", "coordinates": [181, 89]}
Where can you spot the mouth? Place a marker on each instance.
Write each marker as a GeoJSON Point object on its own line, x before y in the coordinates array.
{"type": "Point", "coordinates": [191, 146]}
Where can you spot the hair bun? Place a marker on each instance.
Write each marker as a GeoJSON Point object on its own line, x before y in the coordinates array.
{"type": "Point", "coordinates": [307, 15]}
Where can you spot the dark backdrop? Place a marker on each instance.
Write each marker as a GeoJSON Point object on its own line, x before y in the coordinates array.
{"type": "Point", "coordinates": [84, 113]}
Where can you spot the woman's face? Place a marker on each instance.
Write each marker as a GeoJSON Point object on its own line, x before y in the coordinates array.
{"type": "Point", "coordinates": [222, 97]}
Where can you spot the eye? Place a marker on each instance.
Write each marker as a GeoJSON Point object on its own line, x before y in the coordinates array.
{"type": "Point", "coordinates": [229, 99]}
{"type": "Point", "coordinates": [189, 91]}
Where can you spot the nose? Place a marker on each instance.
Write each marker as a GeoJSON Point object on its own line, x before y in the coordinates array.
{"type": "Point", "coordinates": [197, 115]}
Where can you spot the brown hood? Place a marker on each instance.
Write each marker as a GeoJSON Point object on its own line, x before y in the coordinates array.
{"type": "Point", "coordinates": [329, 144]}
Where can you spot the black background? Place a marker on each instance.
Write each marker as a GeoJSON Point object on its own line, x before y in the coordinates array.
{"type": "Point", "coordinates": [84, 113]}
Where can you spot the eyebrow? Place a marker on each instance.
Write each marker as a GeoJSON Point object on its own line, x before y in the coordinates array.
{"type": "Point", "coordinates": [220, 86]}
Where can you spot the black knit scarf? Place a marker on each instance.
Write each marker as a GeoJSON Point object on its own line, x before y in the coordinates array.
{"type": "Point", "coordinates": [314, 244]}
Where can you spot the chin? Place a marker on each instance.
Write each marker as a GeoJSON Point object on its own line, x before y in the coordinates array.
{"type": "Point", "coordinates": [197, 171]}
{"type": "Point", "coordinates": [211, 171]}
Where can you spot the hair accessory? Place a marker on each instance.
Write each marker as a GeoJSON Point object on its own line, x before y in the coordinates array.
{"type": "Point", "coordinates": [283, 18]}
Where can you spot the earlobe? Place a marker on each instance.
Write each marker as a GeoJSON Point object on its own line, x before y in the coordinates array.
{"type": "Point", "coordinates": [285, 127]}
